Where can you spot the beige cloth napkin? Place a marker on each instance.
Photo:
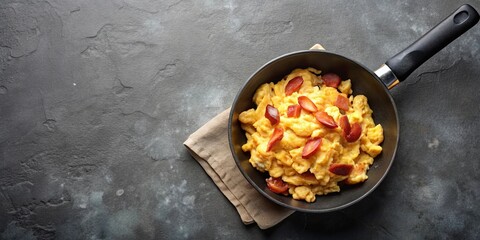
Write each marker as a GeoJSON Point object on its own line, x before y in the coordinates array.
{"type": "Point", "coordinates": [209, 146]}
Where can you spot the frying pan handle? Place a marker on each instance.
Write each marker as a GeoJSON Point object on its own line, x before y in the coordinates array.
{"type": "Point", "coordinates": [405, 62]}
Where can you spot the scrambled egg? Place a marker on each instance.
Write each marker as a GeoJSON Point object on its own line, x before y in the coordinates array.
{"type": "Point", "coordinates": [319, 173]}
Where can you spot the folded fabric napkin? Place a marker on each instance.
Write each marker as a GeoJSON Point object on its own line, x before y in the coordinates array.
{"type": "Point", "coordinates": [209, 146]}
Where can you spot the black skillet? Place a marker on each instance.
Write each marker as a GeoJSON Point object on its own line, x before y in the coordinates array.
{"type": "Point", "coordinates": [373, 84]}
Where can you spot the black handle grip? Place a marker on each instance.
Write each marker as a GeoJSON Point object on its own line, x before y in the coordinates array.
{"type": "Point", "coordinates": [406, 61]}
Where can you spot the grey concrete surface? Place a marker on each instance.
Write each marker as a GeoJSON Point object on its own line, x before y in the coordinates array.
{"type": "Point", "coordinates": [97, 97]}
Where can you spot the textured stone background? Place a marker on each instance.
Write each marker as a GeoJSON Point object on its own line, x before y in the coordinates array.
{"type": "Point", "coordinates": [97, 97]}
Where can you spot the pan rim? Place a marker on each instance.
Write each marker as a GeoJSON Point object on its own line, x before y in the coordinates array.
{"type": "Point", "coordinates": [311, 210]}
